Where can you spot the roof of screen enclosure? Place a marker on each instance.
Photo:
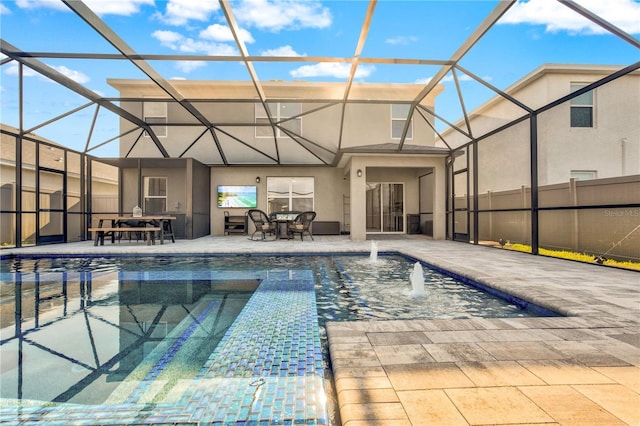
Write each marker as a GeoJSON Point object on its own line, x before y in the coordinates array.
{"type": "Point", "coordinates": [256, 72]}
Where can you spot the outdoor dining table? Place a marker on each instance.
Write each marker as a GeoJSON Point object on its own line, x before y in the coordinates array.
{"type": "Point", "coordinates": [283, 221]}
{"type": "Point", "coordinates": [162, 222]}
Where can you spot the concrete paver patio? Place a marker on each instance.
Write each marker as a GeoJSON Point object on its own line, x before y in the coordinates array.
{"type": "Point", "coordinates": [580, 369]}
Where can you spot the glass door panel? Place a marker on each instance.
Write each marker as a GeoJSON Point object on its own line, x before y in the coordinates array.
{"type": "Point", "coordinates": [460, 207]}
{"type": "Point", "coordinates": [393, 207]}
{"type": "Point", "coordinates": [51, 225]}
{"type": "Point", "coordinates": [374, 216]}
{"type": "Point", "coordinates": [28, 229]}
{"type": "Point", "coordinates": [51, 207]}
{"type": "Point", "coordinates": [385, 207]}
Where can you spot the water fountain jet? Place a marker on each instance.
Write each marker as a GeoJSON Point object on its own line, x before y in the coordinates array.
{"type": "Point", "coordinates": [373, 257]}
{"type": "Point", "coordinates": [417, 281]}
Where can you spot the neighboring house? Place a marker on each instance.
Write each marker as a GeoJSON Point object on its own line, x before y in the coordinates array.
{"type": "Point", "coordinates": [588, 157]}
{"type": "Point", "coordinates": [50, 190]}
{"type": "Point", "coordinates": [595, 135]}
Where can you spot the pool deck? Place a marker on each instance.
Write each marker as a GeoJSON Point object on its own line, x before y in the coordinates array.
{"type": "Point", "coordinates": [581, 369]}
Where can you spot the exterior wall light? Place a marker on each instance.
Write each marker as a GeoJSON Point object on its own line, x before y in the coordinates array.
{"type": "Point", "coordinates": [257, 179]}
{"type": "Point", "coordinates": [359, 173]}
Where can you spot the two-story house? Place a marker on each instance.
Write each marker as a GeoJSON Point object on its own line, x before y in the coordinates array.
{"type": "Point", "coordinates": [350, 156]}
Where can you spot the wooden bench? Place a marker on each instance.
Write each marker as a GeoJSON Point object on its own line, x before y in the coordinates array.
{"type": "Point", "coordinates": [149, 231]}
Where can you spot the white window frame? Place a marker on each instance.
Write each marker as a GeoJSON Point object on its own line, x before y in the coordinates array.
{"type": "Point", "coordinates": [146, 181]}
{"type": "Point", "coordinates": [584, 174]}
{"type": "Point", "coordinates": [277, 116]}
{"type": "Point", "coordinates": [155, 113]}
{"type": "Point", "coordinates": [578, 102]}
{"type": "Point", "coordinates": [401, 117]}
{"type": "Point", "coordinates": [291, 195]}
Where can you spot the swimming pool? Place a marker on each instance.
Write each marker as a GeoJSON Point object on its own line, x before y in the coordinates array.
{"type": "Point", "coordinates": [187, 339]}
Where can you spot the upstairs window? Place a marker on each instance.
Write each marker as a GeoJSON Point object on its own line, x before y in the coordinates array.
{"type": "Point", "coordinates": [155, 114]}
{"type": "Point", "coordinates": [281, 113]}
{"type": "Point", "coordinates": [399, 115]}
{"type": "Point", "coordinates": [581, 107]}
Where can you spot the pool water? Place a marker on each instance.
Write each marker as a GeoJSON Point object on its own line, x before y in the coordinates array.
{"type": "Point", "coordinates": [178, 333]}
{"type": "Point", "coordinates": [358, 288]}
{"type": "Point", "coordinates": [83, 336]}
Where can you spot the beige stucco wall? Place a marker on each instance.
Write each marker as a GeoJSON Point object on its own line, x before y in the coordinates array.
{"type": "Point", "coordinates": [370, 124]}
{"type": "Point", "coordinates": [328, 192]}
{"type": "Point", "coordinates": [365, 122]}
{"type": "Point", "coordinates": [611, 147]}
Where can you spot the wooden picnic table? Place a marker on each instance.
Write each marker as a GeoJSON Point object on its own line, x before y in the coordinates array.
{"type": "Point", "coordinates": [161, 224]}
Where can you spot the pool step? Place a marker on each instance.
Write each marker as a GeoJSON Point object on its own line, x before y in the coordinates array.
{"type": "Point", "coordinates": [144, 383]}
{"type": "Point", "coordinates": [268, 367]}
{"type": "Point", "coordinates": [148, 384]}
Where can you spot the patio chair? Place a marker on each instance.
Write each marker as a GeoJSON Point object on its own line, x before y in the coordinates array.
{"type": "Point", "coordinates": [262, 223]}
{"type": "Point", "coordinates": [302, 224]}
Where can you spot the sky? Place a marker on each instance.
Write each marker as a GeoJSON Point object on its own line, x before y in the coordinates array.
{"type": "Point", "coordinates": [532, 33]}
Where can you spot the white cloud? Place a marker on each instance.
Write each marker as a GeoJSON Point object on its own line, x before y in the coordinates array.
{"type": "Point", "coordinates": [180, 12]}
{"type": "Point", "coordinates": [74, 75]}
{"type": "Point", "coordinates": [178, 42]}
{"type": "Point", "coordinates": [188, 66]}
{"type": "Point", "coordinates": [189, 45]}
{"type": "Point", "coordinates": [77, 76]}
{"type": "Point", "coordinates": [4, 10]}
{"type": "Point", "coordinates": [449, 79]}
{"type": "Point", "coordinates": [331, 69]}
{"type": "Point", "coordinates": [463, 77]}
{"type": "Point", "coordinates": [168, 38]}
{"type": "Point", "coordinates": [117, 7]}
{"type": "Point", "coordinates": [402, 40]}
{"type": "Point", "coordinates": [282, 51]}
{"type": "Point", "coordinates": [286, 14]}
{"type": "Point", "coordinates": [556, 17]}
{"type": "Point", "coordinates": [217, 32]}
{"type": "Point", "coordinates": [37, 4]}
{"type": "Point", "coordinates": [100, 7]}
{"type": "Point", "coordinates": [12, 69]}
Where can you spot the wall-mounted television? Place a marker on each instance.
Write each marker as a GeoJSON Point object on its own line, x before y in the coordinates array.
{"type": "Point", "coordinates": [237, 196]}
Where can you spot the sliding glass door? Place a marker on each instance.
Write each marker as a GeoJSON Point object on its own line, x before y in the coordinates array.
{"type": "Point", "coordinates": [385, 207]}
